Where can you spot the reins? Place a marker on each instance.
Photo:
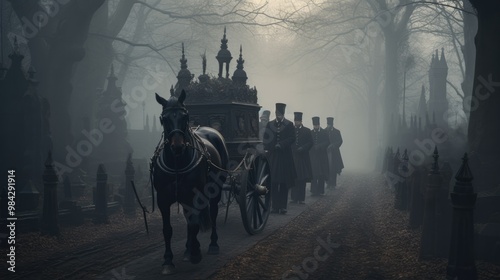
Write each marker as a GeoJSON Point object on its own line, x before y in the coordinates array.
{"type": "Point", "coordinates": [209, 161]}
{"type": "Point", "coordinates": [144, 210]}
{"type": "Point", "coordinates": [203, 153]}
{"type": "Point", "coordinates": [151, 181]}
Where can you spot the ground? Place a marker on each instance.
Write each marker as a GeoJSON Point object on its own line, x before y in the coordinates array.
{"type": "Point", "coordinates": [352, 233]}
{"type": "Point", "coordinates": [369, 239]}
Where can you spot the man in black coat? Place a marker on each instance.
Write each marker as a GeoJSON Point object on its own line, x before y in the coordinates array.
{"type": "Point", "coordinates": [278, 139]}
{"type": "Point", "coordinates": [300, 151]}
{"type": "Point", "coordinates": [264, 119]}
{"type": "Point", "coordinates": [334, 157]}
{"type": "Point", "coordinates": [319, 158]}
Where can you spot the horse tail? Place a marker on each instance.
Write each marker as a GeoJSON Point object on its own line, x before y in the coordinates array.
{"type": "Point", "coordinates": [204, 219]}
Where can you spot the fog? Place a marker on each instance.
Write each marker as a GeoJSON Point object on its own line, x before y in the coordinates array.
{"type": "Point", "coordinates": [322, 58]}
{"type": "Point", "coordinates": [84, 83]}
{"type": "Point", "coordinates": [274, 68]}
{"type": "Point", "coordinates": [290, 66]}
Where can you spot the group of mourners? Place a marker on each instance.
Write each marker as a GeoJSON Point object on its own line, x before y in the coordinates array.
{"type": "Point", "coordinates": [298, 155]}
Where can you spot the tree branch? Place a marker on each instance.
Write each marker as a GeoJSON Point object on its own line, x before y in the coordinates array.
{"type": "Point", "coordinates": [145, 45]}
{"type": "Point", "coordinates": [438, 4]}
{"type": "Point", "coordinates": [455, 88]}
{"type": "Point", "coordinates": [201, 17]}
{"type": "Point", "coordinates": [119, 17]}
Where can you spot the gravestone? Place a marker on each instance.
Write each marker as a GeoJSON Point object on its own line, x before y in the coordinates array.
{"type": "Point", "coordinates": [461, 264]}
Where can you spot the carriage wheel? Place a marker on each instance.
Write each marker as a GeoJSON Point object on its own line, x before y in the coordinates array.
{"type": "Point", "coordinates": [255, 194]}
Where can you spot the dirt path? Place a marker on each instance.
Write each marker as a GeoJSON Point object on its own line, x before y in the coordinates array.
{"type": "Point", "coordinates": [352, 233]}
{"type": "Point", "coordinates": [367, 237]}
{"type": "Point", "coordinates": [122, 248]}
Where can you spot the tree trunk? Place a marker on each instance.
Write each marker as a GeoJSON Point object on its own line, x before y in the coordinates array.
{"type": "Point", "coordinates": [94, 69]}
{"type": "Point", "coordinates": [469, 53]}
{"type": "Point", "coordinates": [374, 80]}
{"type": "Point", "coordinates": [395, 29]}
{"type": "Point", "coordinates": [484, 125]}
{"type": "Point", "coordinates": [91, 73]}
{"type": "Point", "coordinates": [391, 95]}
{"type": "Point", "coordinates": [138, 35]}
{"type": "Point", "coordinates": [56, 46]}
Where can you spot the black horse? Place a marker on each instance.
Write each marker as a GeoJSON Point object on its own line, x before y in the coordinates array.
{"type": "Point", "coordinates": [186, 169]}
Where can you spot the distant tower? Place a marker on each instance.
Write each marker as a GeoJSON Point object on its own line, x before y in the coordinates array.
{"type": "Point", "coordinates": [422, 107]}
{"type": "Point", "coordinates": [184, 77]}
{"type": "Point", "coordinates": [240, 76]}
{"type": "Point", "coordinates": [224, 56]}
{"type": "Point", "coordinates": [114, 146]}
{"type": "Point", "coordinates": [438, 103]}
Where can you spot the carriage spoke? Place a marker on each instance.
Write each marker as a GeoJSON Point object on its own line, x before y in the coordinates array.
{"type": "Point", "coordinates": [255, 206]}
{"type": "Point", "coordinates": [262, 168]}
{"type": "Point", "coordinates": [259, 213]}
{"type": "Point", "coordinates": [251, 176]}
{"type": "Point", "coordinates": [255, 173]}
{"type": "Point", "coordinates": [250, 193]}
{"type": "Point", "coordinates": [254, 218]}
{"type": "Point", "coordinates": [250, 207]}
{"type": "Point", "coordinates": [262, 180]}
{"type": "Point", "coordinates": [262, 204]}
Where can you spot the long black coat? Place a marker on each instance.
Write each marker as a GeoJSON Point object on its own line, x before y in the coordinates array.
{"type": "Point", "coordinates": [319, 157]}
{"type": "Point", "coordinates": [334, 156]}
{"type": "Point", "coordinates": [300, 151]}
{"type": "Point", "coordinates": [262, 129]}
{"type": "Point", "coordinates": [280, 160]}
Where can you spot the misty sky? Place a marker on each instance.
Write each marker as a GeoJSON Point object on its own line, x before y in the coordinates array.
{"type": "Point", "coordinates": [278, 64]}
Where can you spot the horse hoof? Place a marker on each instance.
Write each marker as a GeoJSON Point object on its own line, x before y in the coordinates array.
{"type": "Point", "coordinates": [168, 269]}
{"type": "Point", "coordinates": [185, 257]}
{"type": "Point", "coordinates": [195, 259]}
{"type": "Point", "coordinates": [213, 250]}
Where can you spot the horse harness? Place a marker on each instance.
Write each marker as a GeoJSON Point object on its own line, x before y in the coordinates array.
{"type": "Point", "coordinates": [200, 152]}
{"type": "Point", "coordinates": [157, 160]}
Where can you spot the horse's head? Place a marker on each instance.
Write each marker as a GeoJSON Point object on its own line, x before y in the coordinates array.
{"type": "Point", "coordinates": [175, 121]}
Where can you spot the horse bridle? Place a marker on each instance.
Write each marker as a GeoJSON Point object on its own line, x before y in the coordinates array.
{"type": "Point", "coordinates": [172, 132]}
{"type": "Point", "coordinates": [197, 145]}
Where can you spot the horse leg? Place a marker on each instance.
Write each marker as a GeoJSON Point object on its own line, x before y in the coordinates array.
{"type": "Point", "coordinates": [213, 248]}
{"type": "Point", "coordinates": [188, 250]}
{"type": "Point", "coordinates": [168, 265]}
{"type": "Point", "coordinates": [193, 243]}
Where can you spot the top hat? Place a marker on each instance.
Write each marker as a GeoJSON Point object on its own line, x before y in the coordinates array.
{"type": "Point", "coordinates": [297, 116]}
{"type": "Point", "coordinates": [280, 107]}
{"type": "Point", "coordinates": [265, 114]}
{"type": "Point", "coordinates": [329, 121]}
{"type": "Point", "coordinates": [315, 120]}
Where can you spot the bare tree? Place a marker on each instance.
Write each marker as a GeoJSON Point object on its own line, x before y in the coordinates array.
{"type": "Point", "coordinates": [149, 32]}
{"type": "Point", "coordinates": [350, 25]}
{"type": "Point", "coordinates": [58, 41]}
{"type": "Point", "coordinates": [456, 23]}
{"type": "Point", "coordinates": [484, 134]}
{"type": "Point", "coordinates": [56, 32]}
